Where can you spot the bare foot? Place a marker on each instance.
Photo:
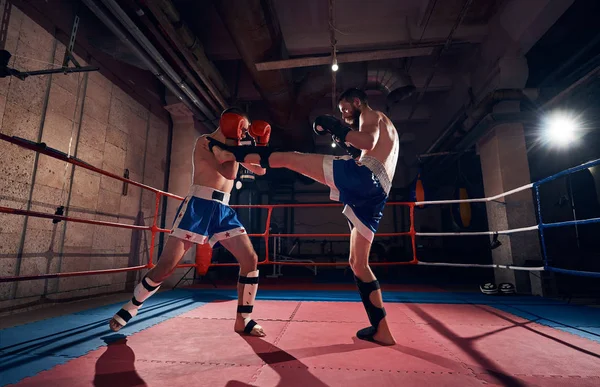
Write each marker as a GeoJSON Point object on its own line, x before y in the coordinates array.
{"type": "Point", "coordinates": [222, 155]}
{"type": "Point", "coordinates": [114, 325]}
{"type": "Point", "coordinates": [257, 330]}
{"type": "Point", "coordinates": [384, 335]}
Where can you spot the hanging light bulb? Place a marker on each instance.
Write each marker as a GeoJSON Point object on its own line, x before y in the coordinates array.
{"type": "Point", "coordinates": [334, 64]}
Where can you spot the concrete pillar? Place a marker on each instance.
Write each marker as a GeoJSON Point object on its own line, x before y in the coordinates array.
{"type": "Point", "coordinates": [185, 132]}
{"type": "Point", "coordinates": [505, 166]}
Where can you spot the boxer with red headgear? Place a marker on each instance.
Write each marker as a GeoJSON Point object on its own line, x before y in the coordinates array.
{"type": "Point", "coordinates": [206, 217]}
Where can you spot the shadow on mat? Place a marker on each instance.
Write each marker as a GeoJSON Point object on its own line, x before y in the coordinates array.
{"type": "Point", "coordinates": [116, 366]}
{"type": "Point", "coordinates": [547, 336]}
{"type": "Point", "coordinates": [467, 345]}
{"type": "Point", "coordinates": [276, 355]}
{"type": "Point", "coordinates": [68, 338]}
{"type": "Point", "coordinates": [295, 373]}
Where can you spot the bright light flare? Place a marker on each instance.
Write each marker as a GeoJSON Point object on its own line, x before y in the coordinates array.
{"type": "Point", "coordinates": [562, 129]}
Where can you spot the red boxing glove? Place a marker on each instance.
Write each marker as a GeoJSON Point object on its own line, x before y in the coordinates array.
{"type": "Point", "coordinates": [233, 126]}
{"type": "Point", "coordinates": [261, 131]}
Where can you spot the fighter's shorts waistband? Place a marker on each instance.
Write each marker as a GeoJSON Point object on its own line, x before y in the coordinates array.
{"type": "Point", "coordinates": [209, 193]}
{"type": "Point", "coordinates": [378, 170]}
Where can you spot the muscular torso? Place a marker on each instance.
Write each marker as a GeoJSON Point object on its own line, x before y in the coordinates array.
{"type": "Point", "coordinates": [205, 168]}
{"type": "Point", "coordinates": [387, 146]}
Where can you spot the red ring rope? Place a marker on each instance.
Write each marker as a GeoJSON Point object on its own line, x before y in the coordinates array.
{"type": "Point", "coordinates": [154, 229]}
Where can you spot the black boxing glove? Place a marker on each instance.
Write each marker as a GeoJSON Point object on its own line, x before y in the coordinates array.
{"type": "Point", "coordinates": [329, 124]}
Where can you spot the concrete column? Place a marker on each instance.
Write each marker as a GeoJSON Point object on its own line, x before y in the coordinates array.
{"type": "Point", "coordinates": [185, 132]}
{"type": "Point", "coordinates": [505, 166]}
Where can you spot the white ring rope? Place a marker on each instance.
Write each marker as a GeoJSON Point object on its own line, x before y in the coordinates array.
{"type": "Point", "coordinates": [474, 233]}
{"type": "Point", "coordinates": [510, 267]}
{"type": "Point", "coordinates": [531, 228]}
{"type": "Point", "coordinates": [479, 200]}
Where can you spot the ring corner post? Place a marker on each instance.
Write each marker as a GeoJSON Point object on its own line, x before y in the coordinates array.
{"type": "Point", "coordinates": [536, 189]}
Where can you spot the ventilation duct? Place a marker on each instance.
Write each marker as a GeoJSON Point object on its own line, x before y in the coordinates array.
{"type": "Point", "coordinates": [392, 83]}
{"type": "Point", "coordinates": [396, 85]}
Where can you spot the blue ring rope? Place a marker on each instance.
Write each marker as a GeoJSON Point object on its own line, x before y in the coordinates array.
{"type": "Point", "coordinates": [543, 225]}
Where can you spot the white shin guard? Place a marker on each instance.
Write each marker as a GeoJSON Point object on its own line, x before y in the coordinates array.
{"type": "Point", "coordinates": [250, 287]}
{"type": "Point", "coordinates": [141, 293]}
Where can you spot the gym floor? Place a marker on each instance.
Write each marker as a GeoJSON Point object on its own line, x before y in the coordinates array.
{"type": "Point", "coordinates": [185, 337]}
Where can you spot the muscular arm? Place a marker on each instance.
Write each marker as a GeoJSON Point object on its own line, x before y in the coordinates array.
{"type": "Point", "coordinates": [368, 134]}
{"type": "Point", "coordinates": [228, 169]}
{"type": "Point", "coordinates": [255, 169]}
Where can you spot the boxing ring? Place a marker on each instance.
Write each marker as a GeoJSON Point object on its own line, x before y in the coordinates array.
{"type": "Point", "coordinates": [185, 336]}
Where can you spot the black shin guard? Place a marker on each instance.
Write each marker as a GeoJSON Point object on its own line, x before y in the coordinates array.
{"type": "Point", "coordinates": [374, 313]}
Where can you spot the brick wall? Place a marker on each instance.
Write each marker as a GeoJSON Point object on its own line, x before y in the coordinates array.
{"type": "Point", "coordinates": [89, 117]}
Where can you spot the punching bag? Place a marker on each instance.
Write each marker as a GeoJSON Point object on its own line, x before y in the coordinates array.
{"type": "Point", "coordinates": [418, 189]}
{"type": "Point", "coordinates": [462, 212]}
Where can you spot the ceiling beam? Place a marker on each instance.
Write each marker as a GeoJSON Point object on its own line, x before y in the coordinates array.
{"type": "Point", "coordinates": [344, 58]}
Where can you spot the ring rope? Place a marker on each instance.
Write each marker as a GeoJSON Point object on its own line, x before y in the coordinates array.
{"type": "Point", "coordinates": [42, 148]}
{"type": "Point", "coordinates": [492, 265]}
{"type": "Point", "coordinates": [474, 233]}
{"type": "Point", "coordinates": [478, 200]}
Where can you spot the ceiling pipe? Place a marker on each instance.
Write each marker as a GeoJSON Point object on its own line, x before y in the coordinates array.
{"type": "Point", "coordinates": [162, 41]}
{"type": "Point", "coordinates": [334, 62]}
{"type": "Point", "coordinates": [151, 50]}
{"type": "Point", "coordinates": [348, 57]}
{"type": "Point", "coordinates": [467, 120]}
{"type": "Point", "coordinates": [151, 58]}
{"type": "Point", "coordinates": [459, 20]}
{"type": "Point", "coordinates": [437, 167]}
{"type": "Point", "coordinates": [255, 31]}
{"type": "Point", "coordinates": [169, 18]}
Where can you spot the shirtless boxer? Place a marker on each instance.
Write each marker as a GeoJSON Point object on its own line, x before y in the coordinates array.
{"type": "Point", "coordinates": [361, 182]}
{"type": "Point", "coordinates": [205, 217]}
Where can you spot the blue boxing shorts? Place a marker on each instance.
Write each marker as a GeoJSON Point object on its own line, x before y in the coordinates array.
{"type": "Point", "coordinates": [363, 186]}
{"type": "Point", "coordinates": [205, 216]}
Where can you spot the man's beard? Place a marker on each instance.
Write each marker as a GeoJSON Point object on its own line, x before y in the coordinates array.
{"type": "Point", "coordinates": [355, 119]}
